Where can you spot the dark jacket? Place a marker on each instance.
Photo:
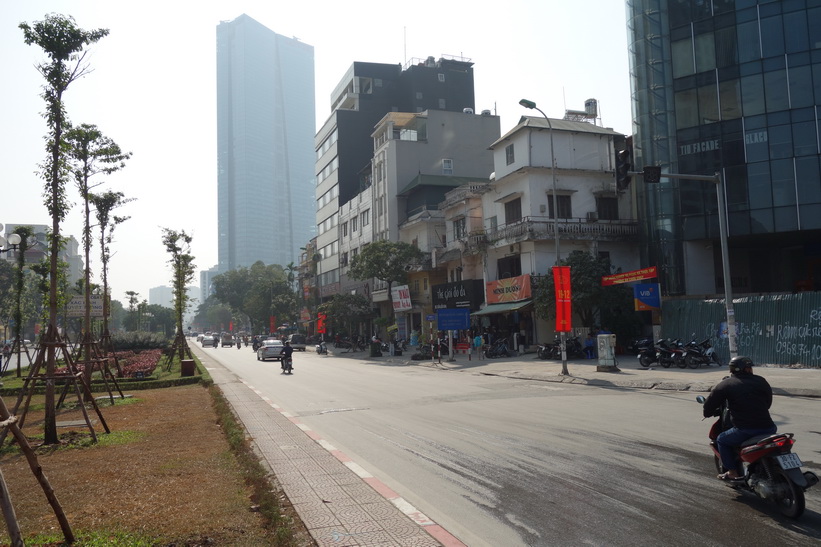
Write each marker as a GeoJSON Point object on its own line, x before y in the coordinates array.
{"type": "Point", "coordinates": [749, 398]}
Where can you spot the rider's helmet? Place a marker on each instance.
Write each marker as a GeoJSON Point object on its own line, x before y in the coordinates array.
{"type": "Point", "coordinates": [738, 364]}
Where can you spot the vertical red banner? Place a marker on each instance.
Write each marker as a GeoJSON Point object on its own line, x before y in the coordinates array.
{"type": "Point", "coordinates": [561, 280]}
{"type": "Point", "coordinates": [272, 324]}
{"type": "Point", "coordinates": [230, 326]}
{"type": "Point", "coordinates": [320, 323]}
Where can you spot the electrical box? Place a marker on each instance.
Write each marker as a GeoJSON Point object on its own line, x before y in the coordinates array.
{"type": "Point", "coordinates": [606, 344]}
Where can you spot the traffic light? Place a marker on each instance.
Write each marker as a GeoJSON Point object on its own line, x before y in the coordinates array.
{"type": "Point", "coordinates": [624, 161]}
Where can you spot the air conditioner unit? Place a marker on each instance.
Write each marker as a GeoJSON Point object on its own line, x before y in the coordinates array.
{"type": "Point", "coordinates": [592, 216]}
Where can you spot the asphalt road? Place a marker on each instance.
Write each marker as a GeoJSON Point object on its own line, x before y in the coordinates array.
{"type": "Point", "coordinates": [498, 461]}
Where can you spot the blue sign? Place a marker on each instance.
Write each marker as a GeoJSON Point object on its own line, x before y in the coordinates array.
{"type": "Point", "coordinates": [453, 319]}
{"type": "Point", "coordinates": [430, 317]}
{"type": "Point", "coordinates": [647, 296]}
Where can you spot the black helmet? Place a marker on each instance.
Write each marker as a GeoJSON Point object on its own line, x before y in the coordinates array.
{"type": "Point", "coordinates": [738, 364]}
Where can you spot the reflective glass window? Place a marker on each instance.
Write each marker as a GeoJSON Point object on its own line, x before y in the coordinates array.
{"type": "Point", "coordinates": [814, 27]}
{"type": "Point", "coordinates": [800, 86]}
{"type": "Point", "coordinates": [775, 90]}
{"type": "Point", "coordinates": [682, 51]}
{"type": "Point", "coordinates": [795, 35]}
{"type": "Point", "coordinates": [725, 44]}
{"type": "Point", "coordinates": [686, 108]}
{"type": "Point", "coordinates": [780, 140]}
{"type": "Point", "coordinates": [772, 36]}
{"type": "Point", "coordinates": [808, 179]}
{"type": "Point", "coordinates": [705, 48]}
{"type": "Point", "coordinates": [738, 223]}
{"type": "Point", "coordinates": [756, 145]}
{"type": "Point", "coordinates": [816, 79]}
{"type": "Point", "coordinates": [783, 182]}
{"type": "Point", "coordinates": [752, 94]}
{"type": "Point", "coordinates": [786, 219]}
{"type": "Point", "coordinates": [749, 48]}
{"type": "Point", "coordinates": [735, 184]}
{"type": "Point", "coordinates": [732, 149]}
{"type": "Point", "coordinates": [708, 104]}
{"type": "Point", "coordinates": [730, 98]}
{"type": "Point", "coordinates": [758, 185]}
{"type": "Point", "coordinates": [810, 217]}
{"type": "Point", "coordinates": [761, 221]}
{"type": "Point", "coordinates": [805, 139]}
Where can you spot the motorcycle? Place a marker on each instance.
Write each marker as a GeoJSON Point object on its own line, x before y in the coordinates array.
{"type": "Point", "coordinates": [700, 353]}
{"type": "Point", "coordinates": [670, 352]}
{"type": "Point", "coordinates": [497, 349]}
{"type": "Point", "coordinates": [321, 348]}
{"type": "Point", "coordinates": [771, 470]}
{"type": "Point", "coordinates": [287, 365]}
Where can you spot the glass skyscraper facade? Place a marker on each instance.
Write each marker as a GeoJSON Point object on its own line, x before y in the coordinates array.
{"type": "Point", "coordinates": [265, 145]}
{"type": "Point", "coordinates": [730, 87]}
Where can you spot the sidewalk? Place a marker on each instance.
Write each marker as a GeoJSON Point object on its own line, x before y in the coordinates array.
{"type": "Point", "coordinates": [794, 382]}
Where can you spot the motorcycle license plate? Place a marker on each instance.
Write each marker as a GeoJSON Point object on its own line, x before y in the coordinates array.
{"type": "Point", "coordinates": [788, 461]}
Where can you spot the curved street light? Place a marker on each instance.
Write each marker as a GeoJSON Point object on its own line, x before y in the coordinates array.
{"type": "Point", "coordinates": [531, 105]}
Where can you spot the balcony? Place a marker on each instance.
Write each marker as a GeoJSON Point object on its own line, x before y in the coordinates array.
{"type": "Point", "coordinates": [542, 228]}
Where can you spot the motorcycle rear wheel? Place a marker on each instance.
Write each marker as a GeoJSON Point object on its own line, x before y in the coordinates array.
{"type": "Point", "coordinates": [791, 504]}
{"type": "Point", "coordinates": [665, 363]}
{"type": "Point", "coordinates": [681, 363]}
{"type": "Point", "coordinates": [692, 361]}
{"type": "Point", "coordinates": [646, 360]}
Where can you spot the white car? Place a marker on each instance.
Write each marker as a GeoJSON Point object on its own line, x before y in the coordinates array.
{"type": "Point", "coordinates": [270, 350]}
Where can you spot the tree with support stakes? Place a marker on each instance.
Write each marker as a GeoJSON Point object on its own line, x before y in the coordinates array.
{"type": "Point", "coordinates": [178, 245]}
{"type": "Point", "coordinates": [65, 44]}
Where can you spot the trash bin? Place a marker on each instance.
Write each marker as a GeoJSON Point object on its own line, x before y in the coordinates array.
{"type": "Point", "coordinates": [187, 367]}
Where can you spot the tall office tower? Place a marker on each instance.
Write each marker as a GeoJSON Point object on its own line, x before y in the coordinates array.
{"type": "Point", "coordinates": [344, 146]}
{"type": "Point", "coordinates": [730, 87]}
{"type": "Point", "coordinates": [265, 145]}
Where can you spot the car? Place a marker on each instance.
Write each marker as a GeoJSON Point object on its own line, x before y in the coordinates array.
{"type": "Point", "coordinates": [270, 350]}
{"type": "Point", "coordinates": [297, 342]}
{"type": "Point", "coordinates": [228, 339]}
{"type": "Point", "coordinates": [212, 341]}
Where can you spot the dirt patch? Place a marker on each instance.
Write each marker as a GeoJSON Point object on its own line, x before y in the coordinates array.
{"type": "Point", "coordinates": [173, 478]}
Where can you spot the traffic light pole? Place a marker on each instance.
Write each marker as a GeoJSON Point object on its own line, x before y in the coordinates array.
{"type": "Point", "coordinates": [652, 174]}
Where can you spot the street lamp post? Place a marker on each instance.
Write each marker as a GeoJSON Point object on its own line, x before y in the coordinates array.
{"type": "Point", "coordinates": [531, 105]}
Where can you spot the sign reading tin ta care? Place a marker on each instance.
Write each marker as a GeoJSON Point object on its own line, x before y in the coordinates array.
{"type": "Point", "coordinates": [76, 307]}
{"type": "Point", "coordinates": [511, 289]}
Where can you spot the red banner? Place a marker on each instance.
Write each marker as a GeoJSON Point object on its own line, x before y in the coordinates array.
{"type": "Point", "coordinates": [230, 326]}
{"type": "Point", "coordinates": [629, 277]}
{"type": "Point", "coordinates": [320, 323]}
{"type": "Point", "coordinates": [561, 280]}
{"type": "Point", "coordinates": [272, 324]}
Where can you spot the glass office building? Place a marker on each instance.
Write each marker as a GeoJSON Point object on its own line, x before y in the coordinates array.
{"type": "Point", "coordinates": [730, 87]}
{"type": "Point", "coordinates": [265, 145]}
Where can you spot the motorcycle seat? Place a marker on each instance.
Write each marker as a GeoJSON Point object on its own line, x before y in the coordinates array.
{"type": "Point", "coordinates": [759, 438]}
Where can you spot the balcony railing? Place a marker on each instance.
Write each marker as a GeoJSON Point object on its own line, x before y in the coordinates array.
{"type": "Point", "coordinates": [539, 228]}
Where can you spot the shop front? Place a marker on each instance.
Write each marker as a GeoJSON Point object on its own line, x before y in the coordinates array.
{"type": "Point", "coordinates": [508, 312]}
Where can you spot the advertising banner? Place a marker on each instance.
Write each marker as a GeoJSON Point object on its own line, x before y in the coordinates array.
{"type": "Point", "coordinates": [401, 298]}
{"type": "Point", "coordinates": [320, 323]}
{"type": "Point", "coordinates": [628, 277]}
{"type": "Point", "coordinates": [561, 280]}
{"type": "Point", "coordinates": [76, 307]}
{"type": "Point", "coordinates": [647, 296]}
{"type": "Point", "coordinates": [468, 293]}
{"type": "Point", "coordinates": [511, 289]}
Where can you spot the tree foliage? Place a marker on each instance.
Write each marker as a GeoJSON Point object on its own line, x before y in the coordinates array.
{"type": "Point", "coordinates": [344, 311]}
{"type": "Point", "coordinates": [257, 293]}
{"type": "Point", "coordinates": [178, 245]}
{"type": "Point", "coordinates": [387, 261]}
{"type": "Point", "coordinates": [593, 304]}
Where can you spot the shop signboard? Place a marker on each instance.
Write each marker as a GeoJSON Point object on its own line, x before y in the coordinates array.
{"type": "Point", "coordinates": [459, 294]}
{"type": "Point", "coordinates": [511, 289]}
{"type": "Point", "coordinates": [401, 298]}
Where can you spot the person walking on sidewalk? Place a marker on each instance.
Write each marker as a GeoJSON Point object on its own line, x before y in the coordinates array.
{"type": "Point", "coordinates": [478, 342]}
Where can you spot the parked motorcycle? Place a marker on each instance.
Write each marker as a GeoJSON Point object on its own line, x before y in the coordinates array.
{"type": "Point", "coordinates": [700, 353]}
{"type": "Point", "coordinates": [545, 351]}
{"type": "Point", "coordinates": [771, 470]}
{"type": "Point", "coordinates": [670, 352]}
{"type": "Point", "coordinates": [497, 349]}
{"type": "Point", "coordinates": [648, 355]}
{"type": "Point", "coordinates": [321, 348]}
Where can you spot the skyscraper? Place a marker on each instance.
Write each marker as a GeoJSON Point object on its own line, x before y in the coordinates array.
{"type": "Point", "coordinates": [265, 145]}
{"type": "Point", "coordinates": [734, 87]}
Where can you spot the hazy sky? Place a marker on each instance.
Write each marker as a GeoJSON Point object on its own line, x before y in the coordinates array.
{"type": "Point", "coordinates": [153, 91]}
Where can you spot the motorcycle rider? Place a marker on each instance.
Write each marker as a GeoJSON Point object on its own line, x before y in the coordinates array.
{"type": "Point", "coordinates": [287, 351]}
{"type": "Point", "coordinates": [749, 398]}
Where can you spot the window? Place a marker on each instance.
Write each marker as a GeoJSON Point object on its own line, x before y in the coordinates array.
{"type": "Point", "coordinates": [441, 77]}
{"type": "Point", "coordinates": [344, 229]}
{"type": "Point", "coordinates": [447, 166]}
{"type": "Point", "coordinates": [418, 95]}
{"type": "Point", "coordinates": [607, 208]}
{"type": "Point", "coordinates": [510, 157]}
{"type": "Point", "coordinates": [510, 266]}
{"type": "Point", "coordinates": [459, 228]}
{"type": "Point", "coordinates": [443, 105]}
{"type": "Point", "coordinates": [563, 203]}
{"type": "Point", "coordinates": [353, 225]}
{"type": "Point", "coordinates": [513, 210]}
{"type": "Point", "coordinates": [365, 217]}
{"type": "Point", "coordinates": [343, 259]}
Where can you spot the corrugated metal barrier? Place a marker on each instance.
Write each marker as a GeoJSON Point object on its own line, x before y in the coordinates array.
{"type": "Point", "coordinates": [779, 329]}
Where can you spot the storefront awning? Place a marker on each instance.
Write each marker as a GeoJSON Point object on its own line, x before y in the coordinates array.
{"type": "Point", "coordinates": [502, 308]}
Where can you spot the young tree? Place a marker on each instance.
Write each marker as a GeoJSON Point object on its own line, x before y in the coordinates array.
{"type": "Point", "coordinates": [133, 300]}
{"type": "Point", "coordinates": [178, 245]}
{"type": "Point", "coordinates": [387, 261]}
{"type": "Point", "coordinates": [64, 43]}
{"type": "Point", "coordinates": [346, 310]}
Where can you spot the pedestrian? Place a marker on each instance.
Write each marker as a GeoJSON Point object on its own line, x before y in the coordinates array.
{"type": "Point", "coordinates": [478, 342]}
{"type": "Point", "coordinates": [590, 346]}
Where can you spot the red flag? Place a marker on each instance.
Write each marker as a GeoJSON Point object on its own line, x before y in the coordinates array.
{"type": "Point", "coordinates": [561, 280]}
{"type": "Point", "coordinates": [272, 326]}
{"type": "Point", "coordinates": [230, 326]}
{"type": "Point", "coordinates": [320, 323]}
